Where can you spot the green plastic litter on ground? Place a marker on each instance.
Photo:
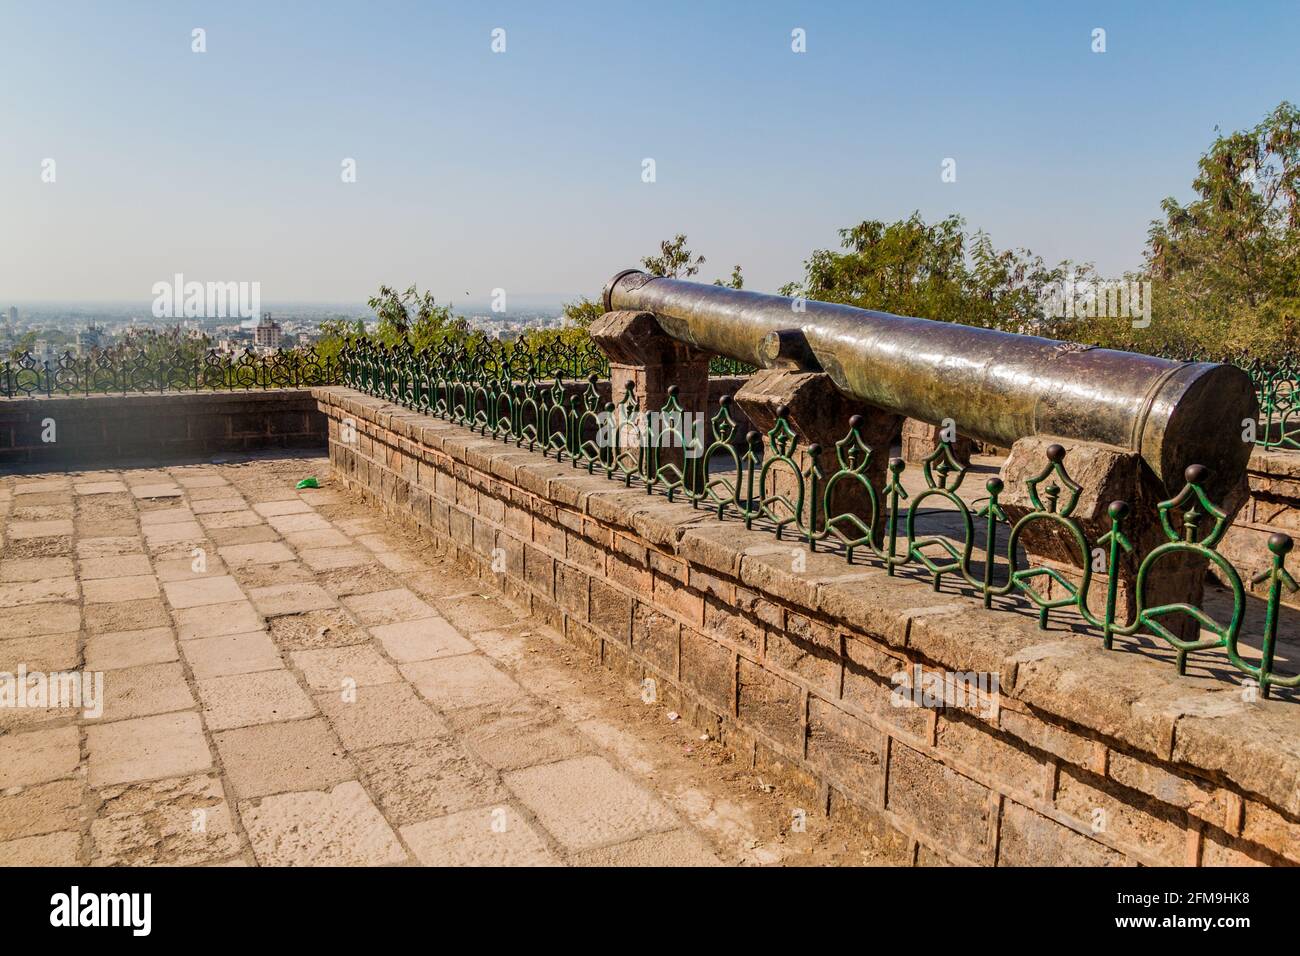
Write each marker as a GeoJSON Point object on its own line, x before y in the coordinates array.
{"type": "Point", "coordinates": [308, 483]}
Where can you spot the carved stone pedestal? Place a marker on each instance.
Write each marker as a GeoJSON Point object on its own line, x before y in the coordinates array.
{"type": "Point", "coordinates": [643, 355]}
{"type": "Point", "coordinates": [1103, 474]}
{"type": "Point", "coordinates": [920, 439]}
{"type": "Point", "coordinates": [818, 413]}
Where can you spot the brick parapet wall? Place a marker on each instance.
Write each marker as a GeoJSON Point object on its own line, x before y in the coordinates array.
{"type": "Point", "coordinates": [1091, 757]}
{"type": "Point", "coordinates": [99, 428]}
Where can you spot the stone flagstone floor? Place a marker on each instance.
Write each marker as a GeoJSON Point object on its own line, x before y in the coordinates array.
{"type": "Point", "coordinates": [288, 682]}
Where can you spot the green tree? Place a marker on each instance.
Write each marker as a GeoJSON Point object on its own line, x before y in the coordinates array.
{"type": "Point", "coordinates": [581, 312]}
{"type": "Point", "coordinates": [415, 317]}
{"type": "Point", "coordinates": [1226, 265]}
{"type": "Point", "coordinates": [334, 333]}
{"type": "Point", "coordinates": [933, 270]}
{"type": "Point", "coordinates": [737, 280]}
{"type": "Point", "coordinates": [674, 261]}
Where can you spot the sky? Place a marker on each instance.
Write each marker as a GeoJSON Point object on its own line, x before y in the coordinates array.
{"type": "Point", "coordinates": [522, 170]}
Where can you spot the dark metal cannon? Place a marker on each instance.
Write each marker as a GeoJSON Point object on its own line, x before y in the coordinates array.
{"type": "Point", "coordinates": [996, 386]}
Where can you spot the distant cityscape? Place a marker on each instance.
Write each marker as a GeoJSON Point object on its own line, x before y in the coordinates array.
{"type": "Point", "coordinates": [49, 330]}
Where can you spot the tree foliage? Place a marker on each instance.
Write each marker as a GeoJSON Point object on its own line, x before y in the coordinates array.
{"type": "Point", "coordinates": [934, 270]}
{"type": "Point", "coordinates": [674, 261]}
{"type": "Point", "coordinates": [737, 281]}
{"type": "Point", "coordinates": [1226, 265]}
{"type": "Point", "coordinates": [415, 317]}
{"type": "Point", "coordinates": [581, 312]}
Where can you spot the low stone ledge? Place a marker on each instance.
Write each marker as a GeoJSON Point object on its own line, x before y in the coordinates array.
{"type": "Point", "coordinates": [89, 429]}
{"type": "Point", "coordinates": [794, 669]}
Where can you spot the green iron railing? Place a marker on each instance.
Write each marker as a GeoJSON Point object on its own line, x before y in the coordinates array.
{"type": "Point", "coordinates": [123, 369]}
{"type": "Point", "coordinates": [736, 477]}
{"type": "Point", "coordinates": [1278, 387]}
{"type": "Point", "coordinates": [176, 370]}
{"type": "Point", "coordinates": [126, 370]}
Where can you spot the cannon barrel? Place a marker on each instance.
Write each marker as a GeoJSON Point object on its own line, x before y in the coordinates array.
{"type": "Point", "coordinates": [996, 386]}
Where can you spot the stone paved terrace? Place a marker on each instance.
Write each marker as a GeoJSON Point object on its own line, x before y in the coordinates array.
{"type": "Point", "coordinates": [325, 692]}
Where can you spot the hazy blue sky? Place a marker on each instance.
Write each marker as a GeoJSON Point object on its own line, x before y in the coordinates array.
{"type": "Point", "coordinates": [522, 170]}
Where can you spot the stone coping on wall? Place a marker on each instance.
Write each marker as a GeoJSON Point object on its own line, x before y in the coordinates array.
{"type": "Point", "coordinates": [1131, 698]}
{"type": "Point", "coordinates": [113, 426]}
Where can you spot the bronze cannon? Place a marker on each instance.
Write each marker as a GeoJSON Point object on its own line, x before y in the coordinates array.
{"type": "Point", "coordinates": [996, 386]}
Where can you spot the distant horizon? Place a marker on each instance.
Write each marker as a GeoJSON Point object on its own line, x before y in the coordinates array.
{"type": "Point", "coordinates": [515, 303]}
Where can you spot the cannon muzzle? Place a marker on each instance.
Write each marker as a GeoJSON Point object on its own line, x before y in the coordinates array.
{"type": "Point", "coordinates": [996, 386]}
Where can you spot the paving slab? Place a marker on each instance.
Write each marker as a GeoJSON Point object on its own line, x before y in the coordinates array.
{"type": "Point", "coordinates": [290, 599]}
{"type": "Point", "coordinates": [111, 590]}
{"type": "Point", "coordinates": [380, 714]}
{"type": "Point", "coordinates": [389, 607]}
{"type": "Point", "coordinates": [45, 618]}
{"type": "Point", "coordinates": [270, 509]}
{"type": "Point", "coordinates": [587, 803]}
{"type": "Point", "coordinates": [146, 689]}
{"type": "Point", "coordinates": [265, 697]}
{"type": "Point", "coordinates": [329, 559]}
{"type": "Point", "coordinates": [264, 552]}
{"type": "Point", "coordinates": [421, 640]}
{"type": "Point", "coordinates": [462, 681]}
{"type": "Point", "coordinates": [280, 757]}
{"type": "Point", "coordinates": [34, 569]}
{"type": "Point", "coordinates": [427, 778]}
{"type": "Point", "coordinates": [109, 546]}
{"type": "Point", "coordinates": [105, 652]}
{"type": "Point", "coordinates": [99, 487]}
{"type": "Point", "coordinates": [180, 821]}
{"type": "Point", "coordinates": [483, 836]}
{"type": "Point", "coordinates": [232, 654]}
{"type": "Point", "coordinates": [51, 849]}
{"type": "Point", "coordinates": [298, 522]}
{"type": "Point", "coordinates": [42, 591]}
{"type": "Point", "coordinates": [124, 615]}
{"type": "Point", "coordinates": [120, 565]}
{"type": "Point", "coordinates": [329, 538]}
{"type": "Point", "coordinates": [236, 617]}
{"type": "Point", "coordinates": [18, 530]}
{"type": "Point", "coordinates": [38, 756]}
{"type": "Point", "coordinates": [149, 519]}
{"type": "Point", "coordinates": [341, 668]}
{"type": "Point", "coordinates": [41, 808]}
{"type": "Point", "coordinates": [338, 827]}
{"type": "Point", "coordinates": [203, 591]}
{"type": "Point", "coordinates": [146, 748]}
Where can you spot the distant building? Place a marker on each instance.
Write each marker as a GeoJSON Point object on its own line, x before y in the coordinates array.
{"type": "Point", "coordinates": [91, 337]}
{"type": "Point", "coordinates": [13, 316]}
{"type": "Point", "coordinates": [266, 335]}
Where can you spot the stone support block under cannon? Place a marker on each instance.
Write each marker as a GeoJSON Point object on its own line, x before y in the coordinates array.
{"type": "Point", "coordinates": [819, 415]}
{"type": "Point", "coordinates": [644, 356]}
